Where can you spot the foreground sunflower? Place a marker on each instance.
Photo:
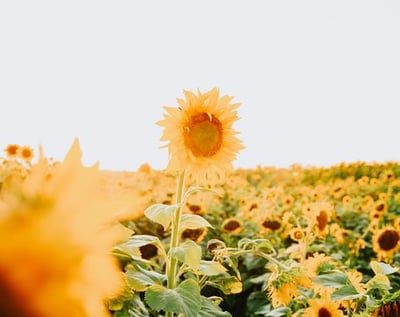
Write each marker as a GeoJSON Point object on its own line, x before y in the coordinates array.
{"type": "Point", "coordinates": [55, 243]}
{"type": "Point", "coordinates": [201, 138]}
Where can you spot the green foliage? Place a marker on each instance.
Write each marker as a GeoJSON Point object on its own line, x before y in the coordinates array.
{"type": "Point", "coordinates": [185, 298]}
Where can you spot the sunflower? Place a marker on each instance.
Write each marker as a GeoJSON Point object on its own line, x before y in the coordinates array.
{"type": "Point", "coordinates": [232, 225]}
{"type": "Point", "coordinates": [386, 242]}
{"type": "Point", "coordinates": [25, 153]}
{"type": "Point", "coordinates": [318, 264]}
{"type": "Point", "coordinates": [284, 285]}
{"type": "Point", "coordinates": [322, 307]}
{"type": "Point", "coordinates": [12, 150]}
{"type": "Point", "coordinates": [200, 135]}
{"type": "Point", "coordinates": [58, 260]}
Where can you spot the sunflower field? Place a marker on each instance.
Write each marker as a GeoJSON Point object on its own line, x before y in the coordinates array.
{"type": "Point", "coordinates": [200, 238]}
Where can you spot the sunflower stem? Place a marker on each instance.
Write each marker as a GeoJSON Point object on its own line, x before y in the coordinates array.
{"type": "Point", "coordinates": [172, 264]}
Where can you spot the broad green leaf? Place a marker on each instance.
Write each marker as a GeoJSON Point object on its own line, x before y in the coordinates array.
{"type": "Point", "coordinates": [210, 309]}
{"type": "Point", "coordinates": [227, 284]}
{"type": "Point", "coordinates": [336, 280]}
{"type": "Point", "coordinates": [161, 214]}
{"type": "Point", "coordinates": [140, 279]}
{"type": "Point", "coordinates": [135, 307]}
{"type": "Point", "coordinates": [194, 189]}
{"type": "Point", "coordinates": [347, 292]}
{"type": "Point", "coordinates": [189, 221]}
{"type": "Point", "coordinates": [383, 268]}
{"type": "Point", "coordinates": [211, 268]}
{"type": "Point", "coordinates": [189, 253]}
{"type": "Point", "coordinates": [379, 281]}
{"type": "Point", "coordinates": [132, 246]}
{"type": "Point", "coordinates": [185, 298]}
{"type": "Point", "coordinates": [140, 240]}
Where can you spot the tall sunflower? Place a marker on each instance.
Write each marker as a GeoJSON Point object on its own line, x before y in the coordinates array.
{"type": "Point", "coordinates": [55, 243]}
{"type": "Point", "coordinates": [201, 138]}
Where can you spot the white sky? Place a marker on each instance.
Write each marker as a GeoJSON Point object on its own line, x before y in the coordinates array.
{"type": "Point", "coordinates": [319, 81]}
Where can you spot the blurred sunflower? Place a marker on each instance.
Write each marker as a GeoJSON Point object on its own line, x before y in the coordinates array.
{"type": "Point", "coordinates": [58, 261]}
{"type": "Point", "coordinates": [200, 134]}
{"type": "Point", "coordinates": [26, 153]}
{"type": "Point", "coordinates": [386, 242]}
{"type": "Point", "coordinates": [12, 150]}
{"type": "Point", "coordinates": [232, 225]}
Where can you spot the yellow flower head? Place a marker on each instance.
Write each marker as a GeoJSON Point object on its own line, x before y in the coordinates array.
{"type": "Point", "coordinates": [200, 134]}
{"type": "Point", "coordinates": [55, 243]}
{"type": "Point", "coordinates": [26, 153]}
{"type": "Point", "coordinates": [12, 150]}
{"type": "Point", "coordinates": [323, 307]}
{"type": "Point", "coordinates": [386, 242]}
{"type": "Point", "coordinates": [232, 225]}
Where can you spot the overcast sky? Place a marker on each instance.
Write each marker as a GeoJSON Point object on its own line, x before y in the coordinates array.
{"type": "Point", "coordinates": [319, 81]}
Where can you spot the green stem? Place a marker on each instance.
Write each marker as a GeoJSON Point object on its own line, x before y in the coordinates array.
{"type": "Point", "coordinates": [172, 264]}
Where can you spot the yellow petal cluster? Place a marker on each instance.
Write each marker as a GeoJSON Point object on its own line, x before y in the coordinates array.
{"type": "Point", "coordinates": [55, 242]}
{"type": "Point", "coordinates": [200, 136]}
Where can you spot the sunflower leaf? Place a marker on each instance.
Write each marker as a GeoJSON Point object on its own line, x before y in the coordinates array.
{"type": "Point", "coordinates": [383, 268]}
{"type": "Point", "coordinates": [193, 222]}
{"type": "Point", "coordinates": [189, 253]}
{"type": "Point", "coordinates": [211, 268]}
{"type": "Point", "coordinates": [332, 280]}
{"type": "Point", "coordinates": [161, 214]}
{"type": "Point", "coordinates": [184, 299]}
{"type": "Point", "coordinates": [379, 281]}
{"type": "Point", "coordinates": [211, 309]}
{"type": "Point", "coordinates": [193, 189]}
{"type": "Point", "coordinates": [347, 292]}
{"type": "Point", "coordinates": [140, 279]}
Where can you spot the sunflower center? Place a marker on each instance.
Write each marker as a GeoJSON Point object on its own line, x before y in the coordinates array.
{"type": "Point", "coordinates": [388, 240]}
{"type": "Point", "coordinates": [323, 312]}
{"type": "Point", "coordinates": [322, 220]}
{"type": "Point", "coordinates": [271, 224]}
{"type": "Point", "coordinates": [231, 225]}
{"type": "Point", "coordinates": [193, 234]}
{"type": "Point", "coordinates": [203, 135]}
{"type": "Point", "coordinates": [10, 303]}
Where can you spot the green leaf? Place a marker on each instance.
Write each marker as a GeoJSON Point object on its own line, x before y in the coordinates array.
{"type": "Point", "coordinates": [383, 268]}
{"type": "Point", "coordinates": [336, 280]}
{"type": "Point", "coordinates": [184, 299]}
{"type": "Point", "coordinates": [137, 241]}
{"type": "Point", "coordinates": [189, 253]}
{"type": "Point", "coordinates": [227, 284]}
{"type": "Point", "coordinates": [211, 309]}
{"type": "Point", "coordinates": [211, 268]}
{"type": "Point", "coordinates": [189, 221]}
{"type": "Point", "coordinates": [379, 281]}
{"type": "Point", "coordinates": [132, 246]}
{"type": "Point", "coordinates": [140, 279]}
{"type": "Point", "coordinates": [347, 292]}
{"type": "Point", "coordinates": [194, 189]}
{"type": "Point", "coordinates": [161, 214]}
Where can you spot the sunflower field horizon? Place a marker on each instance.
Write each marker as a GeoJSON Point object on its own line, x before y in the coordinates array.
{"type": "Point", "coordinates": [199, 238]}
